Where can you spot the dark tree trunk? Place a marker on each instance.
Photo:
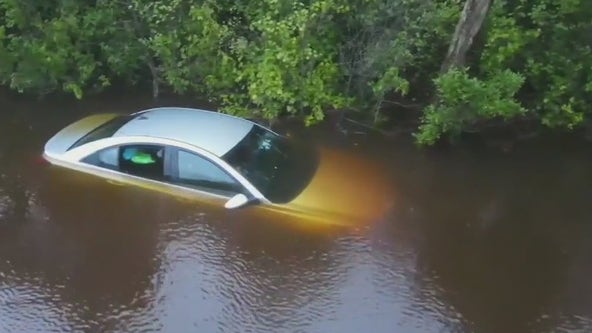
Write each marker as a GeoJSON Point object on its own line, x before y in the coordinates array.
{"type": "Point", "coordinates": [469, 24]}
{"type": "Point", "coordinates": [155, 79]}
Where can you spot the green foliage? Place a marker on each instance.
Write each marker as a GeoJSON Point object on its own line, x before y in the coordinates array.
{"type": "Point", "coordinates": [465, 101]}
{"type": "Point", "coordinates": [289, 64]}
{"type": "Point", "coordinates": [394, 46]}
{"type": "Point", "coordinates": [547, 44]}
{"type": "Point", "coordinates": [190, 57]}
{"type": "Point", "coordinates": [270, 58]}
{"type": "Point", "coordinates": [48, 53]}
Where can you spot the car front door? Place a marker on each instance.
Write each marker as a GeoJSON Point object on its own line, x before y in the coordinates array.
{"type": "Point", "coordinates": [198, 173]}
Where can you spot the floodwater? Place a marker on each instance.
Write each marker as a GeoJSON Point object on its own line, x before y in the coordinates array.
{"type": "Point", "coordinates": [480, 241]}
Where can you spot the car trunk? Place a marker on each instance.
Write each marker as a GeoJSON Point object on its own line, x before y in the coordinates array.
{"type": "Point", "coordinates": [65, 138]}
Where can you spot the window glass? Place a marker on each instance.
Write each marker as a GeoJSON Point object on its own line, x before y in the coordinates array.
{"type": "Point", "coordinates": [278, 167]}
{"type": "Point", "coordinates": [104, 131]}
{"type": "Point", "coordinates": [106, 158]}
{"type": "Point", "coordinates": [139, 160]}
{"type": "Point", "coordinates": [142, 160]}
{"type": "Point", "coordinates": [199, 172]}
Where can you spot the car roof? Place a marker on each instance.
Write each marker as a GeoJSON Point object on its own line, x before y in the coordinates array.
{"type": "Point", "coordinates": [213, 131]}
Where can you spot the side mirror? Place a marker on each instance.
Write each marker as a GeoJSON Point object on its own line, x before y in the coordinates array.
{"type": "Point", "coordinates": [237, 201]}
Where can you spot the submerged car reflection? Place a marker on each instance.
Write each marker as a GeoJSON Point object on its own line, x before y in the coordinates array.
{"type": "Point", "coordinates": [223, 160]}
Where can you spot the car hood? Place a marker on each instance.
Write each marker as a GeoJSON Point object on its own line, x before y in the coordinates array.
{"type": "Point", "coordinates": [346, 187]}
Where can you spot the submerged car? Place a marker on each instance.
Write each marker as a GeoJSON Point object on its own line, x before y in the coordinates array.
{"type": "Point", "coordinates": [226, 161]}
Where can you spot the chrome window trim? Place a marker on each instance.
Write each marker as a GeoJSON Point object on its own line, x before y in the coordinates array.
{"type": "Point", "coordinates": [74, 157]}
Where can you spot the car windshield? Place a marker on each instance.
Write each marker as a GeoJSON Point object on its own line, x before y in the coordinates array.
{"type": "Point", "coordinates": [278, 167]}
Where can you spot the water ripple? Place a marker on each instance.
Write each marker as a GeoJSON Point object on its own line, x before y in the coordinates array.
{"type": "Point", "coordinates": [83, 256]}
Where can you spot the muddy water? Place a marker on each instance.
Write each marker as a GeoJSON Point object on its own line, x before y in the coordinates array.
{"type": "Point", "coordinates": [481, 241]}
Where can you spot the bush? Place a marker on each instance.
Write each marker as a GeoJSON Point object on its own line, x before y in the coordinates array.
{"type": "Point", "coordinates": [464, 102]}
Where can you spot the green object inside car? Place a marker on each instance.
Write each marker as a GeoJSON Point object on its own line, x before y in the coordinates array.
{"type": "Point", "coordinates": [143, 158]}
{"type": "Point", "coordinates": [138, 157]}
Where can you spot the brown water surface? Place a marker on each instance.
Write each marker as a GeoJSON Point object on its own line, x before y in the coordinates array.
{"type": "Point", "coordinates": [481, 241]}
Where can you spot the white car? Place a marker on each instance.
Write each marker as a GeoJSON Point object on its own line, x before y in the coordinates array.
{"type": "Point", "coordinates": [224, 160]}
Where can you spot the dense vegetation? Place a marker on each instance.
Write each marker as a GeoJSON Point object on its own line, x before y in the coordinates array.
{"type": "Point", "coordinates": [530, 60]}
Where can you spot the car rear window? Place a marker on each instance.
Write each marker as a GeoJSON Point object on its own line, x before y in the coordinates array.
{"type": "Point", "coordinates": [104, 131]}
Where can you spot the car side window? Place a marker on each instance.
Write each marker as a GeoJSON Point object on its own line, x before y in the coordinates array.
{"type": "Point", "coordinates": [198, 172]}
{"type": "Point", "coordinates": [106, 158]}
{"type": "Point", "coordinates": [140, 160]}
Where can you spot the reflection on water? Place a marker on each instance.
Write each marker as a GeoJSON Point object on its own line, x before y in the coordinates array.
{"type": "Point", "coordinates": [481, 242]}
